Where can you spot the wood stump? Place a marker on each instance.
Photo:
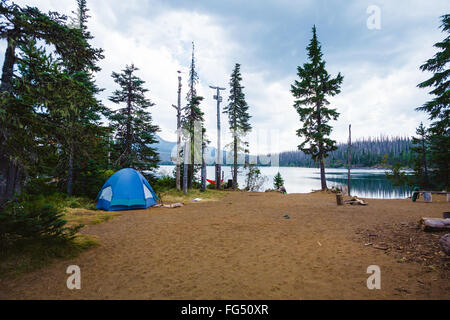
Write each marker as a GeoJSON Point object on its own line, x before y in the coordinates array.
{"type": "Point", "coordinates": [339, 199]}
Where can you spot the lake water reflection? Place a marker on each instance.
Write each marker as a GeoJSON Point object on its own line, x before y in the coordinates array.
{"type": "Point", "coordinates": [365, 183]}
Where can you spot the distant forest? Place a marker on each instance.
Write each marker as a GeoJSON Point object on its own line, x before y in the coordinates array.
{"type": "Point", "coordinates": [366, 152]}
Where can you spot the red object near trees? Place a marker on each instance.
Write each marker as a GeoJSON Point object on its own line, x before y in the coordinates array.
{"type": "Point", "coordinates": [213, 181]}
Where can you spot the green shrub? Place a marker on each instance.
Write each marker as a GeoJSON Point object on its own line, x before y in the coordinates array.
{"type": "Point", "coordinates": [41, 186]}
{"type": "Point", "coordinates": [278, 181]}
{"type": "Point", "coordinates": [36, 219]}
{"type": "Point", "coordinates": [62, 201]}
{"type": "Point", "coordinates": [164, 183]}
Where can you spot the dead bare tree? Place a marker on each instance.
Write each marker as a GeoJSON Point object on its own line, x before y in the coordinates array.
{"type": "Point", "coordinates": [179, 110]}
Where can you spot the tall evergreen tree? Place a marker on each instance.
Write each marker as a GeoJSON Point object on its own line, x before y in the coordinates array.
{"type": "Point", "coordinates": [83, 120]}
{"type": "Point", "coordinates": [238, 118]}
{"type": "Point", "coordinates": [135, 132]}
{"type": "Point", "coordinates": [53, 99]}
{"type": "Point", "coordinates": [17, 27]}
{"type": "Point", "coordinates": [439, 107]}
{"type": "Point", "coordinates": [192, 114]}
{"type": "Point", "coordinates": [420, 149]}
{"type": "Point", "coordinates": [311, 104]}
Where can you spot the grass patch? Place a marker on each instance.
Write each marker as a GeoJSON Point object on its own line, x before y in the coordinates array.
{"type": "Point", "coordinates": [173, 195]}
{"type": "Point", "coordinates": [77, 210]}
{"type": "Point", "coordinates": [62, 201]}
{"type": "Point", "coordinates": [30, 255]}
{"type": "Point", "coordinates": [87, 217]}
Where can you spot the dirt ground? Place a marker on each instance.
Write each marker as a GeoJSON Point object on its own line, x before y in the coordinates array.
{"type": "Point", "coordinates": [243, 247]}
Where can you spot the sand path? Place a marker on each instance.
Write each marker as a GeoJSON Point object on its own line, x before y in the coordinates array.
{"type": "Point", "coordinates": [241, 247]}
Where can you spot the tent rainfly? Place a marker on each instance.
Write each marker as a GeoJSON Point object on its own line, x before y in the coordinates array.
{"type": "Point", "coordinates": [126, 189]}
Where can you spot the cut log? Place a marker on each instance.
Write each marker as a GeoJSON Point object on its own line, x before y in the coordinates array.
{"type": "Point", "coordinates": [434, 224]}
{"type": "Point", "coordinates": [445, 244]}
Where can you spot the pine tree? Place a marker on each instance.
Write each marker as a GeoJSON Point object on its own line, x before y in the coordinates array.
{"type": "Point", "coordinates": [439, 107]}
{"type": "Point", "coordinates": [311, 104]}
{"type": "Point", "coordinates": [83, 120]}
{"type": "Point", "coordinates": [420, 149]}
{"type": "Point", "coordinates": [238, 118]}
{"type": "Point", "coordinates": [192, 114]}
{"type": "Point", "coordinates": [278, 181]}
{"type": "Point", "coordinates": [81, 16]}
{"type": "Point", "coordinates": [18, 26]}
{"type": "Point", "coordinates": [134, 129]}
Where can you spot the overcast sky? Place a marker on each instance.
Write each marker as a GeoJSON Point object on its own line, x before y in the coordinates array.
{"type": "Point", "coordinates": [268, 38]}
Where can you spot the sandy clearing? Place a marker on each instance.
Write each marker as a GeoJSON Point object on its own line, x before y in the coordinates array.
{"type": "Point", "coordinates": [242, 247]}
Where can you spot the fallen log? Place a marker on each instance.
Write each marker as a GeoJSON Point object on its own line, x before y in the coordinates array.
{"type": "Point", "coordinates": [445, 244]}
{"type": "Point", "coordinates": [434, 224]}
{"type": "Point", "coordinates": [355, 201]}
{"type": "Point", "coordinates": [173, 205]}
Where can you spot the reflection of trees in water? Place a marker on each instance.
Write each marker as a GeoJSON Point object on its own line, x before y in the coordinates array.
{"type": "Point", "coordinates": [370, 186]}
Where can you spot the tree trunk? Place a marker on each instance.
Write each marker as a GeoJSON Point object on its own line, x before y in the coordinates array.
{"type": "Point", "coordinates": [178, 176]}
{"type": "Point", "coordinates": [3, 177]}
{"type": "Point", "coordinates": [178, 108]}
{"type": "Point", "coordinates": [190, 175]}
{"type": "Point", "coordinates": [425, 167]}
{"type": "Point", "coordinates": [203, 179]}
{"type": "Point", "coordinates": [11, 179]}
{"type": "Point", "coordinates": [8, 168]}
{"type": "Point", "coordinates": [8, 65]}
{"type": "Point", "coordinates": [70, 170]}
{"type": "Point", "coordinates": [178, 153]}
{"type": "Point", "coordinates": [339, 199]}
{"type": "Point", "coordinates": [191, 157]}
{"type": "Point", "coordinates": [235, 151]}
{"type": "Point", "coordinates": [218, 175]}
{"type": "Point", "coordinates": [323, 181]}
{"type": "Point", "coordinates": [128, 134]}
{"type": "Point", "coordinates": [186, 167]}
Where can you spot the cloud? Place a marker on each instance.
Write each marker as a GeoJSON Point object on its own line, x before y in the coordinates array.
{"type": "Point", "coordinates": [380, 67]}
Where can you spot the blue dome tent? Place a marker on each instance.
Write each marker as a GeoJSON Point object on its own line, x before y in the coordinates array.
{"type": "Point", "coordinates": [126, 189]}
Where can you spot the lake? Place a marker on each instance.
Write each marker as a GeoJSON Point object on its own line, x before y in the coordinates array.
{"type": "Point", "coordinates": [365, 183]}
